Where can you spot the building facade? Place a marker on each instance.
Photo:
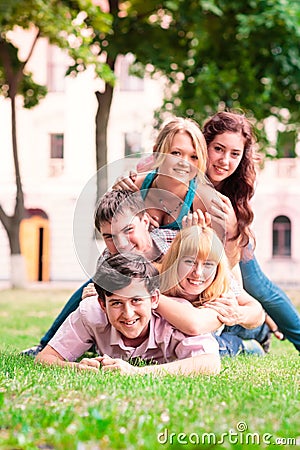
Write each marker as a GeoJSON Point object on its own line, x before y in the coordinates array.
{"type": "Point", "coordinates": [56, 142]}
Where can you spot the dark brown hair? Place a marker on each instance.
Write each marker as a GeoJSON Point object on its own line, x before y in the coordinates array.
{"type": "Point", "coordinates": [239, 186]}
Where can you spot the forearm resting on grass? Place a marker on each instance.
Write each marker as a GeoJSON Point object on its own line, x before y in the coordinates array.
{"type": "Point", "coordinates": [49, 356]}
{"type": "Point", "coordinates": [186, 318]}
{"type": "Point", "coordinates": [207, 364]}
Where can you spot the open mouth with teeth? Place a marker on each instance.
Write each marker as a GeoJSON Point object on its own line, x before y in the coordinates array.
{"type": "Point", "coordinates": [220, 170]}
{"type": "Point", "coordinates": [129, 323]}
{"type": "Point", "coordinates": [181, 171]}
{"type": "Point", "coordinates": [195, 282]}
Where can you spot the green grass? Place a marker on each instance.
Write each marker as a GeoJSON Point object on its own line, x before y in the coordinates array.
{"type": "Point", "coordinates": [54, 408]}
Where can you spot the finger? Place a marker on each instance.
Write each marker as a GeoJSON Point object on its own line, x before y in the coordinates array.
{"type": "Point", "coordinates": [154, 221]}
{"type": "Point", "coordinates": [109, 368]}
{"type": "Point", "coordinates": [207, 218]}
{"type": "Point", "coordinates": [81, 366]}
{"type": "Point", "coordinates": [93, 362]}
{"type": "Point", "coordinates": [217, 213]}
{"type": "Point", "coordinates": [133, 175]}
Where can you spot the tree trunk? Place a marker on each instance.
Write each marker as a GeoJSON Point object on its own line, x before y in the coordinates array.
{"type": "Point", "coordinates": [104, 103]}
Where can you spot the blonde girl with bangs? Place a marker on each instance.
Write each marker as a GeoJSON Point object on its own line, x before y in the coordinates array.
{"type": "Point", "coordinates": [177, 169]}
{"type": "Point", "coordinates": [196, 269]}
{"type": "Point", "coordinates": [190, 246]}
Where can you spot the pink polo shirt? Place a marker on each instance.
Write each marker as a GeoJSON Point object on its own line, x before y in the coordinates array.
{"type": "Point", "coordinates": [89, 325]}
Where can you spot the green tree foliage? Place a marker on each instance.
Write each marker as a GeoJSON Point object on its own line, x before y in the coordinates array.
{"type": "Point", "coordinates": [243, 54]}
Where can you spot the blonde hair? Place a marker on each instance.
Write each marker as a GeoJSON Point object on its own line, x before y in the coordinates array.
{"type": "Point", "coordinates": [205, 244]}
{"type": "Point", "coordinates": [170, 129]}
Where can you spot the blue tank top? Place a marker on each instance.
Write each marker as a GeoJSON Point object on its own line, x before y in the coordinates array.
{"type": "Point", "coordinates": [187, 202]}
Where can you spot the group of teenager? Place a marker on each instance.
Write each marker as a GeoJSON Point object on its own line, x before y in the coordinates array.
{"type": "Point", "coordinates": [177, 285]}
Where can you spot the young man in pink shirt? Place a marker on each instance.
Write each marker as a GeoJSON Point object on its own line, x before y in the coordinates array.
{"type": "Point", "coordinates": [123, 325]}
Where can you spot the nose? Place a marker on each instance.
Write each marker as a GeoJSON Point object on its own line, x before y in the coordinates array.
{"type": "Point", "coordinates": [184, 162]}
{"type": "Point", "coordinates": [225, 158]}
{"type": "Point", "coordinates": [198, 270]}
{"type": "Point", "coordinates": [128, 311]}
{"type": "Point", "coordinates": [121, 242]}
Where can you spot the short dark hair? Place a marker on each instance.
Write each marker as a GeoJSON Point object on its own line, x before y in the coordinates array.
{"type": "Point", "coordinates": [116, 202]}
{"type": "Point", "coordinates": [117, 272]}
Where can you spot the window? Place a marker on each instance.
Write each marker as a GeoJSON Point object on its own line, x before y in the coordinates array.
{"type": "Point", "coordinates": [281, 237]}
{"type": "Point", "coordinates": [132, 143]}
{"type": "Point", "coordinates": [129, 82]}
{"type": "Point", "coordinates": [56, 69]}
{"type": "Point", "coordinates": [56, 154]}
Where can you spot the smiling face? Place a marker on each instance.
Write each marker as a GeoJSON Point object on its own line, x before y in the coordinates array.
{"type": "Point", "coordinates": [129, 311]}
{"type": "Point", "coordinates": [225, 153]}
{"type": "Point", "coordinates": [181, 161]}
{"type": "Point", "coordinates": [195, 275]}
{"type": "Point", "coordinates": [127, 233]}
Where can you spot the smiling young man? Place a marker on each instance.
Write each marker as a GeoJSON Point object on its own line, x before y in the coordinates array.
{"type": "Point", "coordinates": [123, 325]}
{"type": "Point", "coordinates": [121, 219]}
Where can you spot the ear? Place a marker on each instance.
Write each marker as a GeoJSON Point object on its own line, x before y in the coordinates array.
{"type": "Point", "coordinates": [146, 220]}
{"type": "Point", "coordinates": [102, 305]}
{"type": "Point", "coordinates": [155, 299]}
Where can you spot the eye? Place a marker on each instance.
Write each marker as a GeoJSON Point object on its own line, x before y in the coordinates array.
{"type": "Point", "coordinates": [235, 154]}
{"type": "Point", "coordinates": [189, 261]}
{"type": "Point", "coordinates": [137, 301]}
{"type": "Point", "coordinates": [129, 230]}
{"type": "Point", "coordinates": [209, 264]}
{"type": "Point", "coordinates": [116, 304]}
{"type": "Point", "coordinates": [175, 153]}
{"type": "Point", "coordinates": [218, 148]}
{"type": "Point", "coordinates": [194, 157]}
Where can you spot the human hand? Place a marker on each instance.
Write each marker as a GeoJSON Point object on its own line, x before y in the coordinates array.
{"type": "Point", "coordinates": [126, 183]}
{"type": "Point", "coordinates": [89, 291]}
{"type": "Point", "coordinates": [227, 308]}
{"type": "Point", "coordinates": [198, 217]}
{"type": "Point", "coordinates": [223, 213]}
{"type": "Point", "coordinates": [277, 333]}
{"type": "Point", "coordinates": [154, 222]}
{"type": "Point", "coordinates": [89, 364]}
{"type": "Point", "coordinates": [108, 363]}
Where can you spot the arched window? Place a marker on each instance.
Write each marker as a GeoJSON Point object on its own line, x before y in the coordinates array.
{"type": "Point", "coordinates": [281, 236]}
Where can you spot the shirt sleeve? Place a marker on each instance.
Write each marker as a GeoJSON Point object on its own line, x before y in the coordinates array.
{"type": "Point", "coordinates": [197, 345]}
{"type": "Point", "coordinates": [73, 338]}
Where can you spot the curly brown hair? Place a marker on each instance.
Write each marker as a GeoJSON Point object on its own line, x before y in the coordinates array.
{"type": "Point", "coordinates": [239, 186]}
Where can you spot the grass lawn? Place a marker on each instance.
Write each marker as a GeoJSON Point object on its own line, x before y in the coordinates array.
{"type": "Point", "coordinates": [253, 403]}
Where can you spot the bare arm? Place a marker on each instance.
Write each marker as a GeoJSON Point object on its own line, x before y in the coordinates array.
{"type": "Point", "coordinates": [244, 310]}
{"type": "Point", "coordinates": [208, 364]}
{"type": "Point", "coordinates": [223, 214]}
{"type": "Point", "coordinates": [51, 357]}
{"type": "Point", "coordinates": [186, 318]}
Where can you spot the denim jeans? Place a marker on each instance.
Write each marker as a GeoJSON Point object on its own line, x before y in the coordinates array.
{"type": "Point", "coordinates": [231, 339]}
{"type": "Point", "coordinates": [275, 302]}
{"type": "Point", "coordinates": [69, 307]}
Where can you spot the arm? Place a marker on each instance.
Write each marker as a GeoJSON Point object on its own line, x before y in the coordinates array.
{"type": "Point", "coordinates": [186, 318]}
{"type": "Point", "coordinates": [51, 357]}
{"type": "Point", "coordinates": [208, 364]}
{"type": "Point", "coordinates": [224, 216]}
{"type": "Point", "coordinates": [274, 328]}
{"type": "Point", "coordinates": [242, 310]}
